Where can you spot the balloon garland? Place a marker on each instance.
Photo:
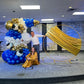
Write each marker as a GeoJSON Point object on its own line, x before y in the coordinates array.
{"type": "Point", "coordinates": [17, 39]}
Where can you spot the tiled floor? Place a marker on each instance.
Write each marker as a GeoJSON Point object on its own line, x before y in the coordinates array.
{"type": "Point", "coordinates": [47, 68]}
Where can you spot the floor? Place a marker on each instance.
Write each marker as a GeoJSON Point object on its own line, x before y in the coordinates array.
{"type": "Point", "coordinates": [73, 82]}
{"type": "Point", "coordinates": [48, 67]}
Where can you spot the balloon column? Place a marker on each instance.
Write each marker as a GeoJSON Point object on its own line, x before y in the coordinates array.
{"type": "Point", "coordinates": [17, 39]}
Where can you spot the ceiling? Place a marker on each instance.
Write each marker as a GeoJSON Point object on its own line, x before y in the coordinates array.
{"type": "Point", "coordinates": [52, 9]}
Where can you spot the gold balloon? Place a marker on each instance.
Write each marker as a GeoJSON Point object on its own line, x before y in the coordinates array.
{"type": "Point", "coordinates": [36, 22]}
{"type": "Point", "coordinates": [15, 20]}
{"type": "Point", "coordinates": [26, 47]}
{"type": "Point", "coordinates": [13, 48]}
{"type": "Point", "coordinates": [19, 31]}
{"type": "Point", "coordinates": [22, 29]}
{"type": "Point", "coordinates": [8, 21]}
{"type": "Point", "coordinates": [9, 25]}
{"type": "Point", "coordinates": [18, 47]}
{"type": "Point", "coordinates": [20, 26]}
{"type": "Point", "coordinates": [22, 44]}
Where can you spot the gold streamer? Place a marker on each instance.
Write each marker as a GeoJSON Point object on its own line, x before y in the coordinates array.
{"type": "Point", "coordinates": [71, 44]}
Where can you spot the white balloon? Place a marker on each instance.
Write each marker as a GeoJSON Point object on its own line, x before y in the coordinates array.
{"type": "Point", "coordinates": [26, 37]}
{"type": "Point", "coordinates": [12, 40]}
{"type": "Point", "coordinates": [7, 38]}
{"type": "Point", "coordinates": [18, 40]}
{"type": "Point", "coordinates": [9, 46]}
{"type": "Point", "coordinates": [19, 54]}
{"type": "Point", "coordinates": [6, 42]}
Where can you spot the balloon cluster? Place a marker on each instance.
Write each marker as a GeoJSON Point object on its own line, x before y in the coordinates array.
{"type": "Point", "coordinates": [20, 46]}
{"type": "Point", "coordinates": [29, 22]}
{"type": "Point", "coordinates": [17, 39]}
{"type": "Point", "coordinates": [13, 33]}
{"type": "Point", "coordinates": [11, 58]}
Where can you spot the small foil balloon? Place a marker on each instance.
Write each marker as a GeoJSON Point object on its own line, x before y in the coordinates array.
{"type": "Point", "coordinates": [17, 39]}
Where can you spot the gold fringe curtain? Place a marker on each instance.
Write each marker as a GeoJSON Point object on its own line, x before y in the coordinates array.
{"type": "Point", "coordinates": [71, 44]}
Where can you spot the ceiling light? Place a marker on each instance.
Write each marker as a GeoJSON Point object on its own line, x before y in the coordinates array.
{"type": "Point", "coordinates": [30, 7]}
{"type": "Point", "coordinates": [70, 7]}
{"type": "Point", "coordinates": [4, 16]}
{"type": "Point", "coordinates": [62, 15]}
{"type": "Point", "coordinates": [47, 20]}
{"type": "Point", "coordinates": [78, 13]}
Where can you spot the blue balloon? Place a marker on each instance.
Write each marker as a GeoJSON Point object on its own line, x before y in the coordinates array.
{"type": "Point", "coordinates": [29, 22]}
{"type": "Point", "coordinates": [17, 61]}
{"type": "Point", "coordinates": [9, 62]}
{"type": "Point", "coordinates": [16, 57]}
{"type": "Point", "coordinates": [14, 33]}
{"type": "Point", "coordinates": [21, 58]}
{"type": "Point", "coordinates": [13, 61]}
{"type": "Point", "coordinates": [11, 58]}
{"type": "Point", "coordinates": [8, 59]}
